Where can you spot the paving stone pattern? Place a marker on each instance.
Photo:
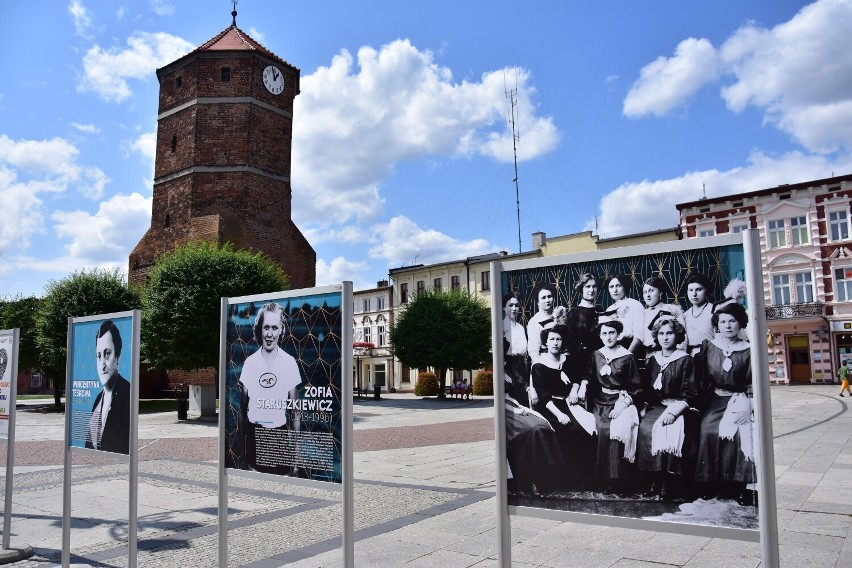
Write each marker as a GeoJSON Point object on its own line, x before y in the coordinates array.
{"type": "Point", "coordinates": [423, 498]}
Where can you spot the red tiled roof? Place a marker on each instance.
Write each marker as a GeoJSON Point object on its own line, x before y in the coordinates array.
{"type": "Point", "coordinates": [233, 38]}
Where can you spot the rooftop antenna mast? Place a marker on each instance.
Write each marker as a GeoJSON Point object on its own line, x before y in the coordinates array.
{"type": "Point", "coordinates": [511, 94]}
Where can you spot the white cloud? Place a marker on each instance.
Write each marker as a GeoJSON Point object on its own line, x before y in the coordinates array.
{"type": "Point", "coordinates": [256, 34]}
{"type": "Point", "coordinates": [401, 240]}
{"type": "Point", "coordinates": [87, 128]}
{"type": "Point", "coordinates": [82, 18]}
{"type": "Point", "coordinates": [666, 83]}
{"type": "Point", "coordinates": [107, 71]}
{"type": "Point", "coordinates": [162, 7]}
{"type": "Point", "coordinates": [340, 269]}
{"type": "Point", "coordinates": [649, 205]}
{"type": "Point", "coordinates": [30, 168]}
{"type": "Point", "coordinates": [21, 213]}
{"type": "Point", "coordinates": [346, 234]}
{"type": "Point", "coordinates": [391, 105]}
{"type": "Point", "coordinates": [798, 73]}
{"type": "Point", "coordinates": [53, 163]}
{"type": "Point", "coordinates": [108, 236]}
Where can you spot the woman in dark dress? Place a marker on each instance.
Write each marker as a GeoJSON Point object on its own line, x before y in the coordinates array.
{"type": "Point", "coordinates": [726, 449]}
{"type": "Point", "coordinates": [581, 321]}
{"type": "Point", "coordinates": [533, 452]}
{"type": "Point", "coordinates": [668, 431]}
{"type": "Point", "coordinates": [557, 402]}
{"type": "Point", "coordinates": [615, 386]}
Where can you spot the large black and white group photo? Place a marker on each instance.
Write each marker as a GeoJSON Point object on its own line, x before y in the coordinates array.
{"type": "Point", "coordinates": [628, 388]}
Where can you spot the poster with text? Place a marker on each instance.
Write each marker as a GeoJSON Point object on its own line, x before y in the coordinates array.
{"type": "Point", "coordinates": [7, 357]}
{"type": "Point", "coordinates": [283, 381]}
{"type": "Point", "coordinates": [629, 385]}
{"type": "Point", "coordinates": [101, 363]}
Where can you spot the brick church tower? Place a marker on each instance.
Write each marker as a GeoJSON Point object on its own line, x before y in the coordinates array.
{"type": "Point", "coordinates": [222, 170]}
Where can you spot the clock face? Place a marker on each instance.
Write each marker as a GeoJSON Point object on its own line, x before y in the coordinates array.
{"type": "Point", "coordinates": [273, 79]}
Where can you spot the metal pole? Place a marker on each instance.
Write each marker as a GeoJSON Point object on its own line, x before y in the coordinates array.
{"type": "Point", "coordinates": [66, 478]}
{"type": "Point", "coordinates": [767, 512]}
{"type": "Point", "coordinates": [347, 466]}
{"type": "Point", "coordinates": [10, 438]}
{"type": "Point", "coordinates": [132, 530]}
{"type": "Point", "coordinates": [504, 529]}
{"type": "Point", "coordinates": [223, 401]}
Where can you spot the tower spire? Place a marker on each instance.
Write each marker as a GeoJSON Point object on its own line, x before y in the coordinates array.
{"type": "Point", "coordinates": [234, 13]}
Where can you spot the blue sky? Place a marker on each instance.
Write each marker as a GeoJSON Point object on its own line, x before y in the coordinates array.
{"type": "Point", "coordinates": [402, 149]}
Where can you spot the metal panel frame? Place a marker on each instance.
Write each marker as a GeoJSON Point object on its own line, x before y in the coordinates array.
{"type": "Point", "coordinates": [132, 458]}
{"type": "Point", "coordinates": [346, 487]}
{"type": "Point", "coordinates": [767, 532]}
{"type": "Point", "coordinates": [10, 433]}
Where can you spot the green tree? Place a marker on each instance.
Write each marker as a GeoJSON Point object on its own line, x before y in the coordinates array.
{"type": "Point", "coordinates": [181, 301]}
{"type": "Point", "coordinates": [443, 330]}
{"type": "Point", "coordinates": [21, 313]}
{"type": "Point", "coordinates": [84, 293]}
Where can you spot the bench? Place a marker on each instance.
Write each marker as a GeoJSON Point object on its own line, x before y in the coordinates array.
{"type": "Point", "coordinates": [358, 391]}
{"type": "Point", "coordinates": [452, 392]}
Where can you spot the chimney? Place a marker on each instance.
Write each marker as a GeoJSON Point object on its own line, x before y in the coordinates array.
{"type": "Point", "coordinates": [539, 239]}
{"type": "Point", "coordinates": [382, 284]}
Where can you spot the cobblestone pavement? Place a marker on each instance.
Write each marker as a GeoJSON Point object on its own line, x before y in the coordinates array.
{"type": "Point", "coordinates": [423, 497]}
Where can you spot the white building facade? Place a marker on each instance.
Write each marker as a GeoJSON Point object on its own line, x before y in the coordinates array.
{"type": "Point", "coordinates": [372, 322]}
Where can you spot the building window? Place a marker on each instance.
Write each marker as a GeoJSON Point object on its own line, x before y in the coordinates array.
{"type": "Point", "coordinates": [178, 82]}
{"type": "Point", "coordinates": [403, 292]}
{"type": "Point", "coordinates": [366, 304]}
{"type": "Point", "coordinates": [739, 228]}
{"type": "Point", "coordinates": [804, 288]}
{"type": "Point", "coordinates": [486, 279]}
{"type": "Point", "coordinates": [368, 334]}
{"type": "Point", "coordinates": [168, 219]}
{"type": "Point", "coordinates": [707, 233]}
{"type": "Point", "coordinates": [777, 237]}
{"type": "Point", "coordinates": [174, 143]}
{"type": "Point", "coordinates": [781, 289]}
{"type": "Point", "coordinates": [226, 74]}
{"type": "Point", "coordinates": [420, 286]}
{"type": "Point", "coordinates": [380, 303]}
{"type": "Point", "coordinates": [798, 231]}
{"type": "Point", "coordinates": [380, 335]}
{"type": "Point", "coordinates": [838, 224]}
{"type": "Point", "coordinates": [455, 282]}
{"type": "Point", "coordinates": [438, 282]}
{"type": "Point", "coordinates": [843, 284]}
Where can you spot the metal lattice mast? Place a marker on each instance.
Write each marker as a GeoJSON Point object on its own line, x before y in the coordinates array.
{"type": "Point", "coordinates": [513, 104]}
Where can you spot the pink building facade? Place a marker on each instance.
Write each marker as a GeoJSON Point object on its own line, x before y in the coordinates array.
{"type": "Point", "coordinates": [806, 246]}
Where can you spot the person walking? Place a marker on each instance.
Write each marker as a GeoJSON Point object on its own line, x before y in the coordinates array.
{"type": "Point", "coordinates": [844, 378]}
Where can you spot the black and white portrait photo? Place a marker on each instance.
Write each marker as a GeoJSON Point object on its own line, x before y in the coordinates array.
{"type": "Point", "coordinates": [635, 395]}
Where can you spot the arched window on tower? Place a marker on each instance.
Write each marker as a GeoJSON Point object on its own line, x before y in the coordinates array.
{"type": "Point", "coordinates": [174, 142]}
{"type": "Point", "coordinates": [168, 219]}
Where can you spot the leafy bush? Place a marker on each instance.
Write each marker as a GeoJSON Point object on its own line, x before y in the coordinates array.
{"type": "Point", "coordinates": [426, 385]}
{"type": "Point", "coordinates": [483, 383]}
